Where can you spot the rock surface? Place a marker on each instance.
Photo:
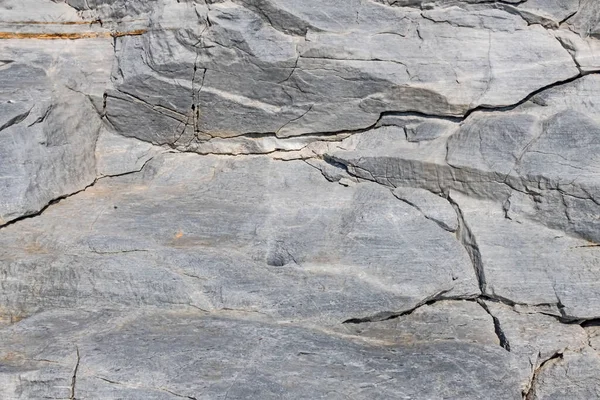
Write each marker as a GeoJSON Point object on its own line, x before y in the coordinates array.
{"type": "Point", "coordinates": [236, 199]}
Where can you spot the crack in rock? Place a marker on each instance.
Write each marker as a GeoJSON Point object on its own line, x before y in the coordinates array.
{"type": "Point", "coordinates": [529, 393]}
{"type": "Point", "coordinates": [504, 343]}
{"type": "Point", "coordinates": [66, 196]}
{"type": "Point", "coordinates": [74, 376]}
{"type": "Point", "coordinates": [467, 238]}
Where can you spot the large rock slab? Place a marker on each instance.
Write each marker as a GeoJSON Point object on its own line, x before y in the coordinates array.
{"type": "Point", "coordinates": [422, 221]}
{"type": "Point", "coordinates": [527, 263]}
{"type": "Point", "coordinates": [48, 125]}
{"type": "Point", "coordinates": [539, 160]}
{"type": "Point", "coordinates": [277, 68]}
{"type": "Point", "coordinates": [256, 234]}
{"type": "Point", "coordinates": [166, 355]}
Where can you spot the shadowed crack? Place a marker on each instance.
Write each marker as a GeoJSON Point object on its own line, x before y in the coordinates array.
{"type": "Point", "coordinates": [74, 376]}
{"type": "Point", "coordinates": [504, 343]}
{"type": "Point", "coordinates": [481, 299]}
{"type": "Point", "coordinates": [387, 315]}
{"type": "Point", "coordinates": [530, 95]}
{"type": "Point", "coordinates": [15, 120]}
{"type": "Point", "coordinates": [466, 237]}
{"type": "Point", "coordinates": [529, 393]}
{"type": "Point", "coordinates": [184, 119]}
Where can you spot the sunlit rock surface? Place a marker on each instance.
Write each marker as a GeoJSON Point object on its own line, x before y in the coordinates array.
{"type": "Point", "coordinates": [265, 199]}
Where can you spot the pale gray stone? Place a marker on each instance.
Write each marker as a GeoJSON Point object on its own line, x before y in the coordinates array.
{"type": "Point", "coordinates": [585, 51]}
{"type": "Point", "coordinates": [46, 146]}
{"type": "Point", "coordinates": [432, 206]}
{"type": "Point", "coordinates": [150, 355]}
{"type": "Point", "coordinates": [527, 263]}
{"type": "Point", "coordinates": [389, 199]}
{"type": "Point", "coordinates": [321, 72]}
{"type": "Point", "coordinates": [550, 13]}
{"type": "Point", "coordinates": [572, 375]}
{"type": "Point", "coordinates": [117, 155]}
{"type": "Point", "coordinates": [270, 236]}
{"type": "Point", "coordinates": [534, 338]}
{"type": "Point", "coordinates": [444, 321]}
{"type": "Point", "coordinates": [538, 160]}
{"type": "Point", "coordinates": [586, 22]}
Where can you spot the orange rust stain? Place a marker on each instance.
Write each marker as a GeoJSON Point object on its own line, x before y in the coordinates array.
{"type": "Point", "coordinates": [136, 32]}
{"type": "Point", "coordinates": [70, 36]}
{"type": "Point", "coordinates": [179, 235]}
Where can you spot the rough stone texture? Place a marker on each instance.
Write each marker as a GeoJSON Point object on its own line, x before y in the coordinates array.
{"type": "Point", "coordinates": [234, 199]}
{"type": "Point", "coordinates": [433, 207]}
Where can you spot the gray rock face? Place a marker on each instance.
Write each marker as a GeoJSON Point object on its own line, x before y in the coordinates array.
{"type": "Point", "coordinates": [236, 199]}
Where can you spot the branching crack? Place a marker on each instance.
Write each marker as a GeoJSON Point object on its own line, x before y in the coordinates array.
{"type": "Point", "coordinates": [529, 393]}
{"type": "Point", "coordinates": [387, 315]}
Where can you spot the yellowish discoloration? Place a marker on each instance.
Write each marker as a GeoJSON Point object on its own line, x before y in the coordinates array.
{"type": "Point", "coordinates": [52, 22]}
{"type": "Point", "coordinates": [69, 36]}
{"type": "Point", "coordinates": [9, 318]}
{"type": "Point", "coordinates": [35, 248]}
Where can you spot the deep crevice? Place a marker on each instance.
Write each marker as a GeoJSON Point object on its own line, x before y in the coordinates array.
{"type": "Point", "coordinates": [527, 98]}
{"type": "Point", "coordinates": [504, 343]}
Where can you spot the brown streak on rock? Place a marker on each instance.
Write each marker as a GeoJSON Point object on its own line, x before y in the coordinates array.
{"type": "Point", "coordinates": [69, 36]}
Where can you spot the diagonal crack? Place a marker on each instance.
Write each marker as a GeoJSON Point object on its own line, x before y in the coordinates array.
{"type": "Point", "coordinates": [504, 343]}
{"type": "Point", "coordinates": [530, 95]}
{"type": "Point", "coordinates": [529, 393]}
{"type": "Point", "coordinates": [66, 196]}
{"type": "Point", "coordinates": [74, 376]}
{"type": "Point", "coordinates": [467, 238]}
{"type": "Point", "coordinates": [387, 315]}
{"type": "Point", "coordinates": [16, 120]}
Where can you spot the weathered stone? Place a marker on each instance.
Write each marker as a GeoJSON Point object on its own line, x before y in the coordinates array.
{"type": "Point", "coordinates": [180, 232]}
{"type": "Point", "coordinates": [389, 199]}
{"type": "Point", "coordinates": [432, 206]}
{"type": "Point", "coordinates": [443, 321]}
{"type": "Point", "coordinates": [117, 155]}
{"type": "Point", "coordinates": [150, 355]}
{"type": "Point", "coordinates": [527, 263]}
{"type": "Point", "coordinates": [550, 13]}
{"type": "Point", "coordinates": [572, 375]}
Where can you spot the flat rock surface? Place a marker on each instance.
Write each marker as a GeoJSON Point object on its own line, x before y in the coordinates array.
{"type": "Point", "coordinates": [266, 199]}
